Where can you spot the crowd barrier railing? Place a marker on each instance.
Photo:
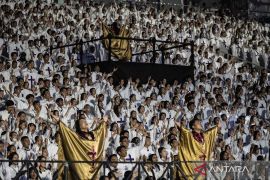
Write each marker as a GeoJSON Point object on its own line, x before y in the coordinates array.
{"type": "Point", "coordinates": [214, 170]}
{"type": "Point", "coordinates": [153, 41]}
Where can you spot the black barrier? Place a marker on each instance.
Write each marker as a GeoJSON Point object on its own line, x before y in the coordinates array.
{"type": "Point", "coordinates": [144, 70]}
{"type": "Point", "coordinates": [213, 170]}
{"type": "Point", "coordinates": [128, 69]}
{"type": "Point", "coordinates": [153, 41]}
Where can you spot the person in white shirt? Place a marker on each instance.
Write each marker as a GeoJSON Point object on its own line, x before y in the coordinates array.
{"type": "Point", "coordinates": [25, 153]}
{"type": "Point", "coordinates": [113, 166]}
{"type": "Point", "coordinates": [238, 151]}
{"type": "Point", "coordinates": [33, 175]}
{"type": "Point", "coordinates": [37, 146]}
{"type": "Point", "coordinates": [44, 173]}
{"type": "Point", "coordinates": [51, 81]}
{"type": "Point", "coordinates": [13, 169]}
{"type": "Point", "coordinates": [147, 149]}
{"type": "Point", "coordinates": [122, 153]}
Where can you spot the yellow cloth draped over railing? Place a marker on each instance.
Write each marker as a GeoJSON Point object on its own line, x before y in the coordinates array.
{"type": "Point", "coordinates": [120, 48]}
{"type": "Point", "coordinates": [73, 148]}
{"type": "Point", "coordinates": [192, 150]}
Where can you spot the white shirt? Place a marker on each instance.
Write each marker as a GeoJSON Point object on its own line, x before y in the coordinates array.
{"type": "Point", "coordinates": [25, 154]}
{"type": "Point", "coordinates": [46, 174]}
{"type": "Point", "coordinates": [146, 151]}
{"type": "Point", "coordinates": [11, 171]}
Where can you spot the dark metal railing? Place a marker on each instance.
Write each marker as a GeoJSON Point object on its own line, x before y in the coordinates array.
{"type": "Point", "coordinates": [152, 40]}
{"type": "Point", "coordinates": [172, 170]}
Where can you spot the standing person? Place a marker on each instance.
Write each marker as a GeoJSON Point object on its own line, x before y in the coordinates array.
{"type": "Point", "coordinates": [82, 145]}
{"type": "Point", "coordinates": [195, 145]}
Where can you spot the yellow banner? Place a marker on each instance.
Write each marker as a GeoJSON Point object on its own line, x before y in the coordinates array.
{"type": "Point", "coordinates": [192, 150]}
{"type": "Point", "coordinates": [73, 148]}
{"type": "Point", "coordinates": [120, 48]}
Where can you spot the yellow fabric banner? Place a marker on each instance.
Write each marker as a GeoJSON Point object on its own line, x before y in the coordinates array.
{"type": "Point", "coordinates": [120, 48]}
{"type": "Point", "coordinates": [192, 150]}
{"type": "Point", "coordinates": [73, 148]}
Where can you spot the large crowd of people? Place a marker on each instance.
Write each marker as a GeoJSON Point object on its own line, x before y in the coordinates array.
{"type": "Point", "coordinates": [35, 82]}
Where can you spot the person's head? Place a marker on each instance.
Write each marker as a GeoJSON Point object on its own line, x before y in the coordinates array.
{"type": "Point", "coordinates": [240, 142]}
{"type": "Point", "coordinates": [41, 165]}
{"type": "Point", "coordinates": [46, 58]}
{"type": "Point", "coordinates": [133, 123]}
{"type": "Point", "coordinates": [13, 136]}
{"type": "Point", "coordinates": [30, 65]}
{"type": "Point", "coordinates": [44, 152]}
{"type": "Point", "coordinates": [224, 156]}
{"type": "Point", "coordinates": [133, 114]}
{"type": "Point", "coordinates": [93, 91]}
{"type": "Point", "coordinates": [228, 149]}
{"type": "Point", "coordinates": [141, 109]}
{"type": "Point", "coordinates": [60, 102]}
{"type": "Point", "coordinates": [255, 149]}
{"type": "Point", "coordinates": [11, 149]}
{"type": "Point", "coordinates": [25, 142]}
{"type": "Point", "coordinates": [195, 125]}
{"type": "Point", "coordinates": [124, 133]}
{"type": "Point", "coordinates": [38, 140]}
{"type": "Point", "coordinates": [148, 141]}
{"type": "Point", "coordinates": [216, 120]}
{"type": "Point", "coordinates": [162, 152]}
{"type": "Point", "coordinates": [114, 127]}
{"type": "Point", "coordinates": [14, 64]}
{"type": "Point", "coordinates": [135, 141]}
{"type": "Point", "coordinates": [10, 106]}
{"type": "Point", "coordinates": [132, 98]}
{"type": "Point", "coordinates": [124, 141]}
{"type": "Point", "coordinates": [122, 151]}
{"type": "Point", "coordinates": [154, 120]}
{"type": "Point", "coordinates": [153, 158]}
{"type": "Point", "coordinates": [148, 101]}
{"type": "Point", "coordinates": [174, 143]}
{"type": "Point", "coordinates": [33, 173]}
{"type": "Point", "coordinates": [31, 127]}
{"type": "Point", "coordinates": [13, 157]}
{"type": "Point", "coordinates": [191, 106]}
{"type": "Point", "coordinates": [46, 94]}
{"type": "Point", "coordinates": [73, 102]}
{"type": "Point", "coordinates": [21, 116]}
{"type": "Point", "coordinates": [2, 146]}
{"type": "Point", "coordinates": [113, 160]}
{"type": "Point", "coordinates": [81, 125]}
{"type": "Point", "coordinates": [100, 104]}
{"type": "Point", "coordinates": [257, 135]}
{"type": "Point", "coordinates": [30, 98]}
{"type": "Point", "coordinates": [224, 117]}
{"type": "Point", "coordinates": [36, 105]}
{"type": "Point", "coordinates": [110, 80]}
{"type": "Point", "coordinates": [162, 116]}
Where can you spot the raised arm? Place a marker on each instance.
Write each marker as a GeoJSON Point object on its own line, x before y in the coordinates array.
{"type": "Point", "coordinates": [183, 131]}
{"type": "Point", "coordinates": [213, 129]}
{"type": "Point", "coordinates": [55, 119]}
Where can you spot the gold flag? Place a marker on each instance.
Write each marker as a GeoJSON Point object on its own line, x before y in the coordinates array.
{"type": "Point", "coordinates": [120, 48]}
{"type": "Point", "coordinates": [73, 148]}
{"type": "Point", "coordinates": [192, 150]}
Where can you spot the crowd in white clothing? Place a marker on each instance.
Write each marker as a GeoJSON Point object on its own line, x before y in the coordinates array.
{"type": "Point", "coordinates": [35, 81]}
